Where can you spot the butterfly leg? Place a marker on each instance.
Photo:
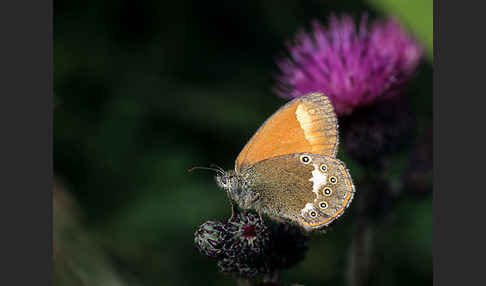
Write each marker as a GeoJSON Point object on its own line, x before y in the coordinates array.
{"type": "Point", "coordinates": [234, 209]}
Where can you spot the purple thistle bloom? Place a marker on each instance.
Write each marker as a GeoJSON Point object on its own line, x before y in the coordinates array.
{"type": "Point", "coordinates": [352, 66]}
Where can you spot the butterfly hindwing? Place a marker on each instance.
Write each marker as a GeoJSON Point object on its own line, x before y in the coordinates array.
{"type": "Point", "coordinates": [311, 190]}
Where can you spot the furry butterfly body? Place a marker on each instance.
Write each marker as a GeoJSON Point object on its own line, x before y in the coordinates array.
{"type": "Point", "coordinates": [288, 169]}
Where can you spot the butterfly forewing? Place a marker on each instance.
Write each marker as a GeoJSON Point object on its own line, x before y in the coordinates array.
{"type": "Point", "coordinates": [305, 124]}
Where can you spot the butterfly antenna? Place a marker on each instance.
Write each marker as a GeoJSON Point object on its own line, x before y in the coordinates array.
{"type": "Point", "coordinates": [219, 171]}
{"type": "Point", "coordinates": [217, 167]}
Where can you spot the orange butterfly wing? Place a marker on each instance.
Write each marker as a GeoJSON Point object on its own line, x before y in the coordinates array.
{"type": "Point", "coordinates": [305, 124]}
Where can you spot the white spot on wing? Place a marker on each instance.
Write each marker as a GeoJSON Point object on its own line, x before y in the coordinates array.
{"type": "Point", "coordinates": [318, 178]}
{"type": "Point", "coordinates": [302, 116]}
{"type": "Point", "coordinates": [305, 121]}
{"type": "Point", "coordinates": [308, 207]}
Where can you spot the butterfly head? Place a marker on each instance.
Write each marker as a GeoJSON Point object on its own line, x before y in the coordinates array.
{"type": "Point", "coordinates": [236, 187]}
{"type": "Point", "coordinates": [228, 180]}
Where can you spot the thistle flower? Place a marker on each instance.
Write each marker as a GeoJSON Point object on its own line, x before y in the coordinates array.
{"type": "Point", "coordinates": [246, 235]}
{"type": "Point", "coordinates": [353, 67]}
{"type": "Point", "coordinates": [239, 244]}
{"type": "Point", "coordinates": [209, 238]}
{"type": "Point", "coordinates": [245, 246]}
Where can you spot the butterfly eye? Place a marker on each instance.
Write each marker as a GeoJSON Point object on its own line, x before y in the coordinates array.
{"type": "Point", "coordinates": [313, 214]}
{"type": "Point", "coordinates": [305, 159]}
{"type": "Point", "coordinates": [323, 205]}
{"type": "Point", "coordinates": [327, 191]}
{"type": "Point", "coordinates": [323, 167]}
{"type": "Point", "coordinates": [333, 180]}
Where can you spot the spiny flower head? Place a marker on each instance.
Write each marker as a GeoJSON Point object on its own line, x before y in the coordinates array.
{"type": "Point", "coordinates": [247, 234]}
{"type": "Point", "coordinates": [209, 238]}
{"type": "Point", "coordinates": [245, 246]}
{"type": "Point", "coordinates": [353, 66]}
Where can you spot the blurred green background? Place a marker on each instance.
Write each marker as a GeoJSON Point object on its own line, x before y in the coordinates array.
{"type": "Point", "coordinates": [144, 90]}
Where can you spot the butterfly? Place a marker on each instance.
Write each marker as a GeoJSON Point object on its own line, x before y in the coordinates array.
{"type": "Point", "coordinates": [288, 170]}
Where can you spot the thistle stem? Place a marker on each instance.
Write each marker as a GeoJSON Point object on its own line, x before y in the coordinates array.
{"type": "Point", "coordinates": [360, 263]}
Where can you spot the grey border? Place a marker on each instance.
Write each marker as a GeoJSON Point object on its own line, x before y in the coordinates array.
{"type": "Point", "coordinates": [436, 275]}
{"type": "Point", "coordinates": [26, 153]}
{"type": "Point", "coordinates": [459, 117]}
